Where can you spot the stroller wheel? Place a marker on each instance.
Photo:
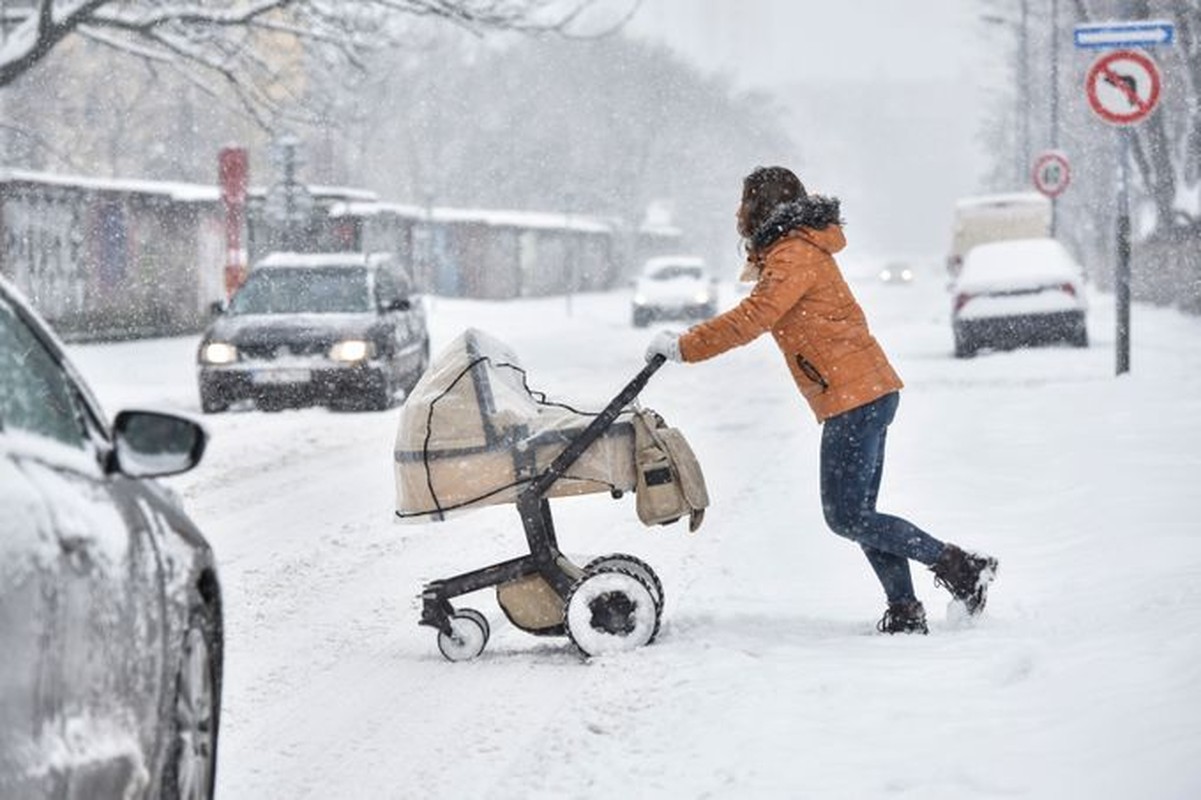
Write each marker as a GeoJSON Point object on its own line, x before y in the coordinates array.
{"type": "Point", "coordinates": [609, 610]}
{"type": "Point", "coordinates": [478, 617]}
{"type": "Point", "coordinates": [635, 565]}
{"type": "Point", "coordinates": [469, 634]}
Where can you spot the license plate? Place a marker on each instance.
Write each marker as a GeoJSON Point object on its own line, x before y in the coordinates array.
{"type": "Point", "coordinates": [277, 376]}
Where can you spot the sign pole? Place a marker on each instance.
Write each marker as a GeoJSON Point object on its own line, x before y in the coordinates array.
{"type": "Point", "coordinates": [1123, 88]}
{"type": "Point", "coordinates": [1122, 272]}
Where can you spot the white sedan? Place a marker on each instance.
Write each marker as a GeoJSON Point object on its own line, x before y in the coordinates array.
{"type": "Point", "coordinates": [1018, 292]}
{"type": "Point", "coordinates": [674, 287]}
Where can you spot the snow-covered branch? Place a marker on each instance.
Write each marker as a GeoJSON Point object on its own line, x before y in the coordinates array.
{"type": "Point", "coordinates": [237, 38]}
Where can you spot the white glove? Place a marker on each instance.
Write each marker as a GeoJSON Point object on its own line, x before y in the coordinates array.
{"type": "Point", "coordinates": [666, 344]}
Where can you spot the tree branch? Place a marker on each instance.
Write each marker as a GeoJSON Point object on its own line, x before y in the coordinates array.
{"type": "Point", "coordinates": [220, 38]}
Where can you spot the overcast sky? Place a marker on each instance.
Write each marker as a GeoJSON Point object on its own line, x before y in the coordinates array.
{"type": "Point", "coordinates": [887, 96]}
{"type": "Point", "coordinates": [773, 42]}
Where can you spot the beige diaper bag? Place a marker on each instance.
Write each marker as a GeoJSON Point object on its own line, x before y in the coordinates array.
{"type": "Point", "coordinates": [669, 484]}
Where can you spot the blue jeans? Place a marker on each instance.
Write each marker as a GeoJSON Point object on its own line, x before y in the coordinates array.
{"type": "Point", "coordinates": [852, 463]}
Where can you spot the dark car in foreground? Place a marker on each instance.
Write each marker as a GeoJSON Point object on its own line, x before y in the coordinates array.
{"type": "Point", "coordinates": [110, 608]}
{"type": "Point", "coordinates": [334, 329]}
{"type": "Point", "coordinates": [1018, 293]}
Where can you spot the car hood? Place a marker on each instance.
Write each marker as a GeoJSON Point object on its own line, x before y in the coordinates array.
{"type": "Point", "coordinates": [269, 329]}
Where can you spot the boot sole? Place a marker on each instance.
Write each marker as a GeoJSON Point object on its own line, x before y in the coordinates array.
{"type": "Point", "coordinates": [975, 604]}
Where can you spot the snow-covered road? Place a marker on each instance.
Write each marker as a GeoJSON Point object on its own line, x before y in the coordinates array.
{"type": "Point", "coordinates": [768, 678]}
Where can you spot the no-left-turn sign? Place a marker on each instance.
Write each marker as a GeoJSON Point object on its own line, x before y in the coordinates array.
{"type": "Point", "coordinates": [1123, 86]}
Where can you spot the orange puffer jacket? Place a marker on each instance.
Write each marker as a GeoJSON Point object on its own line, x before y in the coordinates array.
{"type": "Point", "coordinates": [802, 298]}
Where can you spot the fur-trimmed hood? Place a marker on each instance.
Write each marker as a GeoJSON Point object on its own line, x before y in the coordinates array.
{"type": "Point", "coordinates": [814, 211]}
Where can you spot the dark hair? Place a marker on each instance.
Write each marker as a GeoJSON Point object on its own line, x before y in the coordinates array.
{"type": "Point", "coordinates": [763, 190]}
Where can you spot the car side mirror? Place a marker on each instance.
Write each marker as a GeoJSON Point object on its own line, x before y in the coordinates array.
{"type": "Point", "coordinates": [400, 304]}
{"type": "Point", "coordinates": [151, 444]}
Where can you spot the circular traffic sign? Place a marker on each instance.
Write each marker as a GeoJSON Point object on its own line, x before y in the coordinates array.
{"type": "Point", "coordinates": [1123, 86]}
{"type": "Point", "coordinates": [1052, 174]}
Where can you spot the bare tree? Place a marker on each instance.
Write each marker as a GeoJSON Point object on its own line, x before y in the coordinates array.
{"type": "Point", "coordinates": [605, 127]}
{"type": "Point", "coordinates": [249, 46]}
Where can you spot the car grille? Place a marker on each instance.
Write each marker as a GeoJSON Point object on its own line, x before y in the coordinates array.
{"type": "Point", "coordinates": [270, 352]}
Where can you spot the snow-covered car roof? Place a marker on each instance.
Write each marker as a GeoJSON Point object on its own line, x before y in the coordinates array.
{"type": "Point", "coordinates": [678, 261]}
{"type": "Point", "coordinates": [1003, 200]}
{"type": "Point", "coordinates": [657, 263]}
{"type": "Point", "coordinates": [309, 260]}
{"type": "Point", "coordinates": [1017, 263]}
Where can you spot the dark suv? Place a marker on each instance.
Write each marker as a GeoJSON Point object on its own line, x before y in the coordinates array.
{"type": "Point", "coordinates": [334, 329]}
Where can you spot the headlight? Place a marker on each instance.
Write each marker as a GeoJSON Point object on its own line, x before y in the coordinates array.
{"type": "Point", "coordinates": [701, 297]}
{"type": "Point", "coordinates": [639, 299]}
{"type": "Point", "coordinates": [352, 350]}
{"type": "Point", "coordinates": [218, 353]}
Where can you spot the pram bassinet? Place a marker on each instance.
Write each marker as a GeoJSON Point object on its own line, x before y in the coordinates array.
{"type": "Point", "coordinates": [472, 433]}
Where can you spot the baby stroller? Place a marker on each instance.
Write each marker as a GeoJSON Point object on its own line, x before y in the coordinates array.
{"type": "Point", "coordinates": [473, 433]}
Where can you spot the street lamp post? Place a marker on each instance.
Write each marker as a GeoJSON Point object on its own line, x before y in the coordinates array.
{"type": "Point", "coordinates": [429, 269]}
{"type": "Point", "coordinates": [289, 201]}
{"type": "Point", "coordinates": [1024, 65]}
{"type": "Point", "coordinates": [1054, 101]}
{"type": "Point", "coordinates": [569, 250]}
{"type": "Point", "coordinates": [1021, 98]}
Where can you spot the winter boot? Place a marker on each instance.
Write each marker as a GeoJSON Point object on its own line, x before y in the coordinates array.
{"type": "Point", "coordinates": [903, 618]}
{"type": "Point", "coordinates": [966, 576]}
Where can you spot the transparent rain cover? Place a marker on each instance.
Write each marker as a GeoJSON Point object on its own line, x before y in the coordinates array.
{"type": "Point", "coordinates": [472, 433]}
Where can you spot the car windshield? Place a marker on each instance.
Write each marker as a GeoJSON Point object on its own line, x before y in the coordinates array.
{"type": "Point", "coordinates": [307, 290]}
{"type": "Point", "coordinates": [671, 273]}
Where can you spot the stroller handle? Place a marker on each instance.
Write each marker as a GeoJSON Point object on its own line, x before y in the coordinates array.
{"type": "Point", "coordinates": [644, 375]}
{"type": "Point", "coordinates": [632, 389]}
{"type": "Point", "coordinates": [595, 428]}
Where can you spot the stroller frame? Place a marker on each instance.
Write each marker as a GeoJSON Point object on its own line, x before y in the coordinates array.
{"type": "Point", "coordinates": [534, 509]}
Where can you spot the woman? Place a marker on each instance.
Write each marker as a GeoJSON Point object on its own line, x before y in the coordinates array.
{"type": "Point", "coordinates": [790, 239]}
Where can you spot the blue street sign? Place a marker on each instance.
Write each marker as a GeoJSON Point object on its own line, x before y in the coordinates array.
{"type": "Point", "coordinates": [1119, 35]}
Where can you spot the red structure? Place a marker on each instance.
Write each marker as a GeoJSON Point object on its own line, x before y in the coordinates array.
{"type": "Point", "coordinates": [232, 171]}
